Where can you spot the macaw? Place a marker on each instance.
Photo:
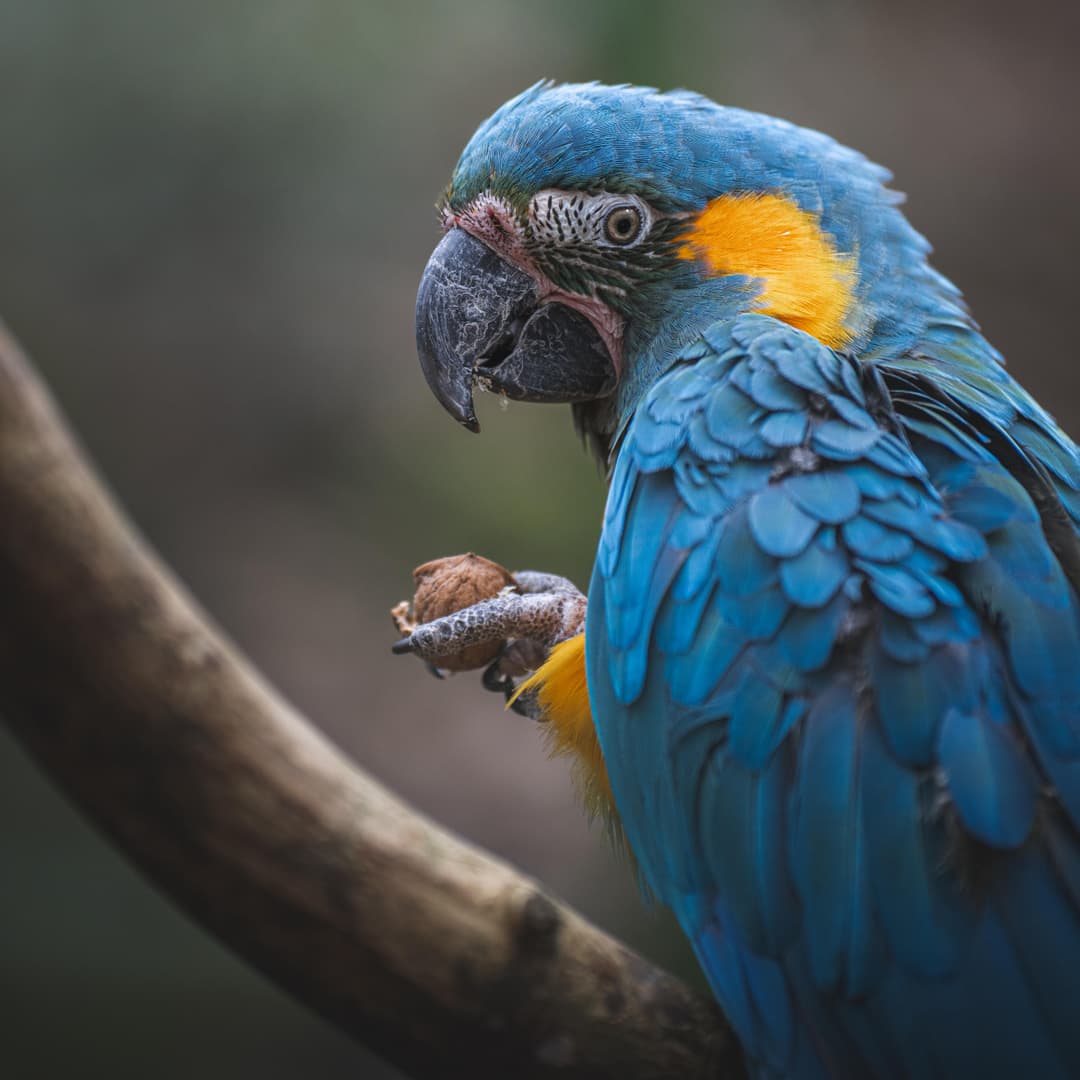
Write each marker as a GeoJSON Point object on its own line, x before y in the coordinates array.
{"type": "Point", "coordinates": [828, 672]}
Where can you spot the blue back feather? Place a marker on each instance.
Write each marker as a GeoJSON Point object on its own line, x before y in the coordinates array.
{"type": "Point", "coordinates": [848, 754]}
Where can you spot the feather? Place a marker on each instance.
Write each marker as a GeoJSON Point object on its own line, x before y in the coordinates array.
{"type": "Point", "coordinates": [897, 589]}
{"type": "Point", "coordinates": [892, 455]}
{"type": "Point", "coordinates": [792, 365]}
{"type": "Point", "coordinates": [651, 438]}
{"type": "Point", "coordinates": [732, 418]}
{"type": "Point", "coordinates": [678, 623]}
{"type": "Point", "coordinates": [872, 540]}
{"type": "Point", "coordinates": [703, 445]}
{"type": "Point", "coordinates": [954, 539]}
{"type": "Point", "coordinates": [778, 526]}
{"type": "Point", "coordinates": [742, 567]}
{"type": "Point", "coordinates": [943, 590]}
{"type": "Point", "coordinates": [873, 482]}
{"type": "Point", "coordinates": [742, 828]}
{"type": "Point", "coordinates": [812, 579]}
{"type": "Point", "coordinates": [693, 675]}
{"type": "Point", "coordinates": [752, 991]}
{"type": "Point", "coordinates": [839, 441]}
{"type": "Point", "coordinates": [922, 923]}
{"type": "Point", "coordinates": [900, 640]}
{"type": "Point", "coordinates": [644, 552]}
{"type": "Point", "coordinates": [807, 637]}
{"type": "Point", "coordinates": [982, 507]}
{"type": "Point", "coordinates": [1044, 929]}
{"type": "Point", "coordinates": [828, 855]}
{"type": "Point", "coordinates": [619, 492]}
{"type": "Point", "coordinates": [990, 783]}
{"type": "Point", "coordinates": [773, 392]}
{"type": "Point", "coordinates": [758, 616]}
{"type": "Point", "coordinates": [760, 721]}
{"type": "Point", "coordinates": [851, 413]}
{"type": "Point", "coordinates": [830, 496]}
{"type": "Point", "coordinates": [782, 429]}
{"type": "Point", "coordinates": [912, 700]}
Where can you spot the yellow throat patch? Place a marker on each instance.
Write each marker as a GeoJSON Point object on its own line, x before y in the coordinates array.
{"type": "Point", "coordinates": [807, 283]}
{"type": "Point", "coordinates": [563, 695]}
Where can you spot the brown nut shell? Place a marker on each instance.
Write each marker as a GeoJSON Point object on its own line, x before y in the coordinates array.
{"type": "Point", "coordinates": [450, 584]}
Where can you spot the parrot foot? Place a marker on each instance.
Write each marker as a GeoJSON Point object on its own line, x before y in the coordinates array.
{"type": "Point", "coordinates": [544, 610]}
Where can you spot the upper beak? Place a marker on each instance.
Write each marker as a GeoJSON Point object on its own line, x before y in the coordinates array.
{"type": "Point", "coordinates": [479, 322]}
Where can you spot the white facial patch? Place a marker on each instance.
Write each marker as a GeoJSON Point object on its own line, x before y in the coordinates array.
{"type": "Point", "coordinates": [491, 220]}
{"type": "Point", "coordinates": [606, 220]}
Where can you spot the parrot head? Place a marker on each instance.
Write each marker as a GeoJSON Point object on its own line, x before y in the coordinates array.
{"type": "Point", "coordinates": [591, 232]}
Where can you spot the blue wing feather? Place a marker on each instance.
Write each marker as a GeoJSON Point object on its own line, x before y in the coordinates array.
{"type": "Point", "coordinates": [831, 656]}
{"type": "Point", "coordinates": [922, 924]}
{"type": "Point", "coordinates": [828, 845]}
{"type": "Point", "coordinates": [778, 526]}
{"type": "Point", "coordinates": [811, 580]}
{"type": "Point", "coordinates": [987, 777]}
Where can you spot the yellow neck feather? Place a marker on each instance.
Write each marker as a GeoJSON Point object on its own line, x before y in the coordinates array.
{"type": "Point", "coordinates": [563, 695]}
{"type": "Point", "coordinates": [806, 281]}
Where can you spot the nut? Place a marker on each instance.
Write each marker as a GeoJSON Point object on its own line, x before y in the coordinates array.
{"type": "Point", "coordinates": [450, 584]}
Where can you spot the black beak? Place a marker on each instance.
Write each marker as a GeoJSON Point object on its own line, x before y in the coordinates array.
{"type": "Point", "coordinates": [478, 323]}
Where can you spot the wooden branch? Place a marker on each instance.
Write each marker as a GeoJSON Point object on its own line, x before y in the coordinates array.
{"type": "Point", "coordinates": [435, 955]}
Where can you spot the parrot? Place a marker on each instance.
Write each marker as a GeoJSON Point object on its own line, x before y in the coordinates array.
{"type": "Point", "coordinates": [825, 679]}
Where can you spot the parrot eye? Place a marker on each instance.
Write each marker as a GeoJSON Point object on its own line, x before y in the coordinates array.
{"type": "Point", "coordinates": [623, 224]}
{"type": "Point", "coordinates": [604, 219]}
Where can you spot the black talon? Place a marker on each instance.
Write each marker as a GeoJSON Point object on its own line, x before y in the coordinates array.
{"type": "Point", "coordinates": [400, 648]}
{"type": "Point", "coordinates": [435, 670]}
{"type": "Point", "coordinates": [527, 705]}
{"type": "Point", "coordinates": [524, 704]}
{"type": "Point", "coordinates": [494, 680]}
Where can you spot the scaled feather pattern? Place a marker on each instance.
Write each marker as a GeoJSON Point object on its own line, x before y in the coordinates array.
{"type": "Point", "coordinates": [840, 716]}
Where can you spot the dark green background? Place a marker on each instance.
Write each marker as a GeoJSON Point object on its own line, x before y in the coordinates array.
{"type": "Point", "coordinates": [213, 216]}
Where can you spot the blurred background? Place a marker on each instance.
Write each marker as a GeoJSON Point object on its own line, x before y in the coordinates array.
{"type": "Point", "coordinates": [213, 216]}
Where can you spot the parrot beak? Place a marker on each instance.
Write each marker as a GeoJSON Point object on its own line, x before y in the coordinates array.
{"type": "Point", "coordinates": [480, 323]}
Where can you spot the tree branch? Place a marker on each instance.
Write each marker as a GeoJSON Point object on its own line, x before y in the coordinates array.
{"type": "Point", "coordinates": [432, 953]}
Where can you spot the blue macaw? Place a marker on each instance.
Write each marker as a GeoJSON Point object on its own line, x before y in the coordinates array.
{"type": "Point", "coordinates": [830, 669]}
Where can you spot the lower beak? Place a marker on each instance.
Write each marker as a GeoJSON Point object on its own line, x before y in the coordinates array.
{"type": "Point", "coordinates": [479, 322]}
